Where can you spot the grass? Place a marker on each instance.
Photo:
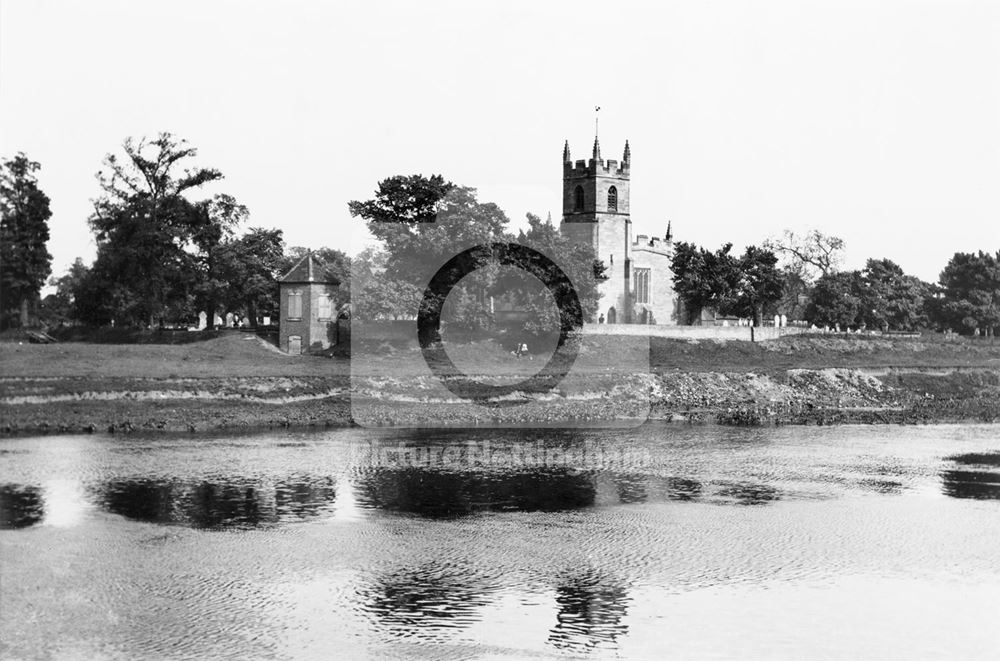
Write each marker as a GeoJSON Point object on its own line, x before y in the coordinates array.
{"type": "Point", "coordinates": [236, 354]}
{"type": "Point", "coordinates": [819, 352]}
{"type": "Point", "coordinates": [231, 354]}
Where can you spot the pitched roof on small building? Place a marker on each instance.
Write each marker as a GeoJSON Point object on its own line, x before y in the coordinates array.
{"type": "Point", "coordinates": [308, 270]}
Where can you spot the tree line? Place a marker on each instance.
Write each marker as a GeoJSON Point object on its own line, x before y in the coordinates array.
{"type": "Point", "coordinates": [166, 251]}
{"type": "Point", "coordinates": [420, 222]}
{"type": "Point", "coordinates": [799, 276]}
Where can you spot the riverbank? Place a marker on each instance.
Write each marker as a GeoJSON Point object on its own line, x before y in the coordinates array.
{"type": "Point", "coordinates": [236, 381]}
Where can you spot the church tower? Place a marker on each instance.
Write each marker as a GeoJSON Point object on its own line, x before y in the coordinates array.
{"type": "Point", "coordinates": [596, 212]}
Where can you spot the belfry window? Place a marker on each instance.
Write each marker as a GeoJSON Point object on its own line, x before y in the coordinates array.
{"type": "Point", "coordinates": [612, 199]}
{"type": "Point", "coordinates": [578, 199]}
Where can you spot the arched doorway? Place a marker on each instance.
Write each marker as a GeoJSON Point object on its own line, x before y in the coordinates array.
{"type": "Point", "coordinates": [612, 315]}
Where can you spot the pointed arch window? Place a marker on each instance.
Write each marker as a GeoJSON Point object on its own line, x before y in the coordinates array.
{"type": "Point", "coordinates": [578, 199]}
{"type": "Point", "coordinates": [612, 199]}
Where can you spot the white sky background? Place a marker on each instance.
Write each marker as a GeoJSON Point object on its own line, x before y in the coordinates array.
{"type": "Point", "coordinates": [875, 121]}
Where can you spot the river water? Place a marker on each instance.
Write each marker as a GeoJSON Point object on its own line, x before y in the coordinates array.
{"type": "Point", "coordinates": [667, 540]}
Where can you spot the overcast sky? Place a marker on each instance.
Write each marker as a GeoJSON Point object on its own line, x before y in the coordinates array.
{"type": "Point", "coordinates": [875, 121]}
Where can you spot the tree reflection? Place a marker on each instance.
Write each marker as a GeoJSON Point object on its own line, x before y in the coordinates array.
{"type": "Point", "coordinates": [631, 488]}
{"type": "Point", "coordinates": [20, 506]}
{"type": "Point", "coordinates": [979, 485]}
{"type": "Point", "coordinates": [217, 504]}
{"type": "Point", "coordinates": [425, 601]}
{"type": "Point", "coordinates": [683, 489]}
{"type": "Point", "coordinates": [747, 493]}
{"type": "Point", "coordinates": [435, 493]}
{"type": "Point", "coordinates": [978, 481]}
{"type": "Point", "coordinates": [591, 609]}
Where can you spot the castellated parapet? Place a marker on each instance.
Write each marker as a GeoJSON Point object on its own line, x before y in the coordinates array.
{"type": "Point", "coordinates": [654, 244]}
{"type": "Point", "coordinates": [582, 169]}
{"type": "Point", "coordinates": [595, 188]}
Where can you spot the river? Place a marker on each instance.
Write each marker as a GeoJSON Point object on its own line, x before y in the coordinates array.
{"type": "Point", "coordinates": [667, 540]}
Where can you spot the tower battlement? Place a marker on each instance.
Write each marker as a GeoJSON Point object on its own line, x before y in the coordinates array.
{"type": "Point", "coordinates": [596, 166]}
{"type": "Point", "coordinates": [595, 188]}
{"type": "Point", "coordinates": [653, 244]}
{"type": "Point", "coordinates": [591, 168]}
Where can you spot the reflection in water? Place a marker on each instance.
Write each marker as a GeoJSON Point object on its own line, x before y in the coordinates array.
{"type": "Point", "coordinates": [747, 493]}
{"type": "Point", "coordinates": [590, 612]}
{"type": "Point", "coordinates": [20, 506]}
{"type": "Point", "coordinates": [631, 488]}
{"type": "Point", "coordinates": [981, 485]}
{"type": "Point", "coordinates": [425, 601]}
{"type": "Point", "coordinates": [683, 489]}
{"type": "Point", "coordinates": [438, 493]}
{"type": "Point", "coordinates": [232, 504]}
{"type": "Point", "coordinates": [881, 486]}
{"type": "Point", "coordinates": [977, 481]}
{"type": "Point", "coordinates": [605, 551]}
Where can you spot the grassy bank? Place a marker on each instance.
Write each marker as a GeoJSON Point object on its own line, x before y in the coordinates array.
{"type": "Point", "coordinates": [235, 380]}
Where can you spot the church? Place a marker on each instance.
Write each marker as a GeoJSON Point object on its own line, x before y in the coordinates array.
{"type": "Point", "coordinates": [638, 286]}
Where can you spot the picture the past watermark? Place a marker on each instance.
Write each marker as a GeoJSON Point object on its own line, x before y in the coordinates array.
{"type": "Point", "coordinates": [582, 455]}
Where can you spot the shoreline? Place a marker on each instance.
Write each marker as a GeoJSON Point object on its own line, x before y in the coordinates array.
{"type": "Point", "coordinates": [234, 383]}
{"type": "Point", "coordinates": [831, 396]}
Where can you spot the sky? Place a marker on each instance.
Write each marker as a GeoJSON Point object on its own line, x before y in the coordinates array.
{"type": "Point", "coordinates": [875, 121]}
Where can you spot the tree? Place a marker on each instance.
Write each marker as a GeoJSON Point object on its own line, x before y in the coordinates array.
{"type": "Point", "coordinates": [61, 305]}
{"type": "Point", "coordinates": [149, 232]}
{"type": "Point", "coordinates": [366, 265]}
{"type": "Point", "coordinates": [759, 284]}
{"type": "Point", "coordinates": [810, 255]}
{"type": "Point", "coordinates": [703, 279]}
{"type": "Point", "coordinates": [836, 300]}
{"type": "Point", "coordinates": [213, 224]}
{"type": "Point", "coordinates": [250, 267]}
{"type": "Point", "coordinates": [577, 260]}
{"type": "Point", "coordinates": [795, 295]}
{"type": "Point", "coordinates": [421, 223]}
{"type": "Point", "coordinates": [385, 298]}
{"type": "Point", "coordinates": [890, 299]}
{"type": "Point", "coordinates": [25, 262]}
{"type": "Point", "coordinates": [424, 221]}
{"type": "Point", "coordinates": [971, 293]}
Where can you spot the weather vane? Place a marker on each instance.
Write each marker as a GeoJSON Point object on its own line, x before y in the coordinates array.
{"type": "Point", "coordinates": [597, 109]}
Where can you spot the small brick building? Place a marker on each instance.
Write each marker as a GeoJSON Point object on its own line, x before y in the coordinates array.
{"type": "Point", "coordinates": [308, 309]}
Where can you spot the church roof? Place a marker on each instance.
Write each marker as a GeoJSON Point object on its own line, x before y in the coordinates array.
{"type": "Point", "coordinates": [307, 270]}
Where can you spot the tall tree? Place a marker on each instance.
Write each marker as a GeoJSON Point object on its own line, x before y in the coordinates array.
{"type": "Point", "coordinates": [423, 221]}
{"type": "Point", "coordinates": [759, 284]}
{"type": "Point", "coordinates": [146, 228]}
{"type": "Point", "coordinates": [249, 268]}
{"type": "Point", "coordinates": [703, 279]}
{"type": "Point", "coordinates": [890, 299]}
{"type": "Point", "coordinates": [577, 260]}
{"type": "Point", "coordinates": [836, 300]}
{"type": "Point", "coordinates": [810, 255]}
{"type": "Point", "coordinates": [971, 293]}
{"type": "Point", "coordinates": [213, 224]}
{"type": "Point", "coordinates": [374, 294]}
{"type": "Point", "coordinates": [61, 305]}
{"type": "Point", "coordinates": [25, 262]}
